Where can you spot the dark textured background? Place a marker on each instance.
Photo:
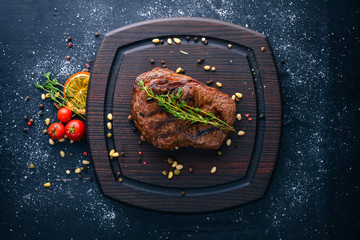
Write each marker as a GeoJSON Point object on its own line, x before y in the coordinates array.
{"type": "Point", "coordinates": [315, 190]}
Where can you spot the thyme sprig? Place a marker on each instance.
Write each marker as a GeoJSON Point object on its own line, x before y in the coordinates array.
{"type": "Point", "coordinates": [59, 96]}
{"type": "Point", "coordinates": [173, 104]}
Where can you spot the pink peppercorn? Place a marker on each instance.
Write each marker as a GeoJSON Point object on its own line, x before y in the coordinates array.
{"type": "Point", "coordinates": [70, 45]}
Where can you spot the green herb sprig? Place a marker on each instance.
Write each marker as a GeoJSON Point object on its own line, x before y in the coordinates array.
{"type": "Point", "coordinates": [173, 104]}
{"type": "Point", "coordinates": [57, 95]}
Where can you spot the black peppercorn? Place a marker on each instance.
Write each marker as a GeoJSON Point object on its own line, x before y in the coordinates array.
{"type": "Point", "coordinates": [90, 61]}
{"type": "Point", "coordinates": [41, 113]}
{"type": "Point", "coordinates": [69, 39]}
{"type": "Point", "coordinates": [80, 176]}
{"type": "Point", "coordinates": [198, 61]}
{"type": "Point", "coordinates": [282, 61]}
{"type": "Point", "coordinates": [188, 38]}
{"type": "Point", "coordinates": [161, 41]}
{"type": "Point", "coordinates": [118, 173]}
{"type": "Point", "coordinates": [27, 98]}
{"type": "Point", "coordinates": [202, 59]}
{"type": "Point", "coordinates": [206, 42]}
{"type": "Point", "coordinates": [25, 129]}
{"type": "Point", "coordinates": [97, 34]}
{"type": "Point", "coordinates": [182, 193]}
{"type": "Point", "coordinates": [41, 105]}
{"type": "Point", "coordinates": [196, 39]}
{"type": "Point", "coordinates": [164, 66]}
{"type": "Point", "coordinates": [152, 61]}
{"type": "Point", "coordinates": [191, 169]}
{"type": "Point", "coordinates": [261, 116]}
{"type": "Point", "coordinates": [90, 178]}
{"type": "Point", "coordinates": [209, 82]}
{"type": "Point", "coordinates": [122, 153]}
{"type": "Point", "coordinates": [25, 118]}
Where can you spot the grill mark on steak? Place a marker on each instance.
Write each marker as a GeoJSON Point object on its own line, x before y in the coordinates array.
{"type": "Point", "coordinates": [165, 131]}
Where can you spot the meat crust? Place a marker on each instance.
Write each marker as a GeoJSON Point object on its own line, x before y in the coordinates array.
{"type": "Point", "coordinates": [165, 131]}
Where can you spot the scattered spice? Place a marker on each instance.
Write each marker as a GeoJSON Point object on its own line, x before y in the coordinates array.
{"type": "Point", "coordinates": [161, 41]}
{"type": "Point", "coordinates": [142, 138]}
{"type": "Point", "coordinates": [77, 170]}
{"type": "Point", "coordinates": [209, 82]}
{"type": "Point", "coordinates": [238, 116]}
{"type": "Point", "coordinates": [250, 119]}
{"type": "Point", "coordinates": [152, 61]}
{"type": "Point", "coordinates": [140, 153]}
{"type": "Point", "coordinates": [174, 164]}
{"type": "Point", "coordinates": [164, 66]}
{"type": "Point", "coordinates": [67, 172]}
{"type": "Point", "coordinates": [109, 125]}
{"type": "Point", "coordinates": [96, 34]}
{"type": "Point", "coordinates": [213, 170]}
{"type": "Point", "coordinates": [228, 142]}
{"type": "Point", "coordinates": [85, 153]}
{"type": "Point", "coordinates": [69, 38]}
{"type": "Point", "coordinates": [170, 160]}
{"type": "Point", "coordinates": [164, 173]}
{"type": "Point", "coordinates": [51, 142]}
{"type": "Point", "coordinates": [156, 40]}
{"type": "Point", "coordinates": [25, 129]}
{"type": "Point", "coordinates": [229, 45]}
{"type": "Point", "coordinates": [247, 115]}
{"type": "Point", "coordinates": [239, 95]}
{"type": "Point", "coordinates": [196, 39]}
{"type": "Point", "coordinates": [80, 176]}
{"type": "Point", "coordinates": [41, 106]}
{"type": "Point", "coordinates": [29, 123]}
{"type": "Point", "coordinates": [68, 57]}
{"type": "Point", "coordinates": [261, 116]}
{"type": "Point", "coordinates": [237, 99]}
{"type": "Point", "coordinates": [90, 61]}
{"type": "Point", "coordinates": [47, 184]}
{"type": "Point", "coordinates": [122, 153]}
{"type": "Point", "coordinates": [169, 41]}
{"type": "Point", "coordinates": [118, 173]}
{"type": "Point", "coordinates": [162, 62]}
{"type": "Point", "coordinates": [198, 61]}
{"type": "Point", "coordinates": [207, 67]}
{"type": "Point", "coordinates": [45, 131]}
{"type": "Point", "coordinates": [219, 84]}
{"type": "Point", "coordinates": [70, 45]}
{"type": "Point", "coordinates": [41, 114]}
{"type": "Point", "coordinates": [110, 116]}
{"type": "Point", "coordinates": [87, 65]}
{"type": "Point", "coordinates": [182, 193]}
{"type": "Point", "coordinates": [179, 166]}
{"type": "Point", "coordinates": [85, 162]}
{"type": "Point", "coordinates": [263, 49]}
{"type": "Point", "coordinates": [282, 61]}
{"type": "Point", "coordinates": [27, 98]}
{"type": "Point", "coordinates": [116, 154]}
{"type": "Point", "coordinates": [31, 166]}
{"type": "Point", "coordinates": [25, 117]}
{"type": "Point", "coordinates": [62, 153]}
{"type": "Point", "coordinates": [109, 135]}
{"type": "Point", "coordinates": [206, 42]}
{"type": "Point", "coordinates": [178, 70]}
{"type": "Point", "coordinates": [47, 121]}
{"type": "Point", "coordinates": [177, 172]}
{"type": "Point", "coordinates": [171, 174]}
{"type": "Point", "coordinates": [203, 39]}
{"type": "Point", "coordinates": [219, 153]}
{"type": "Point", "coordinates": [213, 69]}
{"type": "Point", "coordinates": [183, 52]}
{"type": "Point", "coordinates": [130, 118]}
{"type": "Point", "coordinates": [71, 154]}
{"type": "Point", "coordinates": [43, 97]}
{"type": "Point", "coordinates": [191, 169]}
{"type": "Point", "coordinates": [121, 179]}
{"type": "Point", "coordinates": [188, 38]}
{"type": "Point", "coordinates": [177, 40]}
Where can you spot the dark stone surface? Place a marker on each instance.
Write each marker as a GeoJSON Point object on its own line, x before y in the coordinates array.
{"type": "Point", "coordinates": [315, 190]}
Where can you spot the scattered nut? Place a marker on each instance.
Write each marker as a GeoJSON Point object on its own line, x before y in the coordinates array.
{"type": "Point", "coordinates": [85, 162]}
{"type": "Point", "coordinates": [67, 172]}
{"type": "Point", "coordinates": [203, 39]}
{"type": "Point", "coordinates": [177, 40]}
{"type": "Point", "coordinates": [111, 153]}
{"type": "Point", "coordinates": [116, 154]}
{"type": "Point", "coordinates": [61, 140]}
{"type": "Point", "coordinates": [218, 84]}
{"type": "Point", "coordinates": [207, 67]}
{"type": "Point", "coordinates": [47, 184]}
{"type": "Point", "coordinates": [233, 97]}
{"type": "Point", "coordinates": [164, 173]}
{"type": "Point", "coordinates": [228, 142]}
{"type": "Point", "coordinates": [47, 121]}
{"type": "Point", "coordinates": [142, 138]}
{"type": "Point", "coordinates": [174, 164]}
{"type": "Point", "coordinates": [191, 169]}
{"type": "Point", "coordinates": [43, 97]}
{"type": "Point", "coordinates": [241, 133]}
{"type": "Point", "coordinates": [179, 166]}
{"type": "Point", "coordinates": [78, 170]}
{"type": "Point", "coordinates": [109, 125]}
{"type": "Point", "coordinates": [51, 141]}
{"type": "Point", "coordinates": [238, 116]}
{"type": "Point", "coordinates": [62, 153]}
{"type": "Point", "coordinates": [178, 70]}
{"type": "Point", "coordinates": [213, 170]}
{"type": "Point", "coordinates": [170, 160]}
{"type": "Point", "coordinates": [213, 69]}
{"type": "Point", "coordinates": [109, 135]}
{"type": "Point", "coordinates": [169, 41]}
{"type": "Point", "coordinates": [31, 166]}
{"type": "Point", "coordinates": [109, 116]}
{"type": "Point", "coordinates": [209, 82]}
{"type": "Point", "coordinates": [177, 172]}
{"type": "Point", "coordinates": [171, 174]}
{"type": "Point", "coordinates": [156, 40]}
{"type": "Point", "coordinates": [239, 95]}
{"type": "Point", "coordinates": [229, 45]}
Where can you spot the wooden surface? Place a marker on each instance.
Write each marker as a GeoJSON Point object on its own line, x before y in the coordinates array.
{"type": "Point", "coordinates": [245, 168]}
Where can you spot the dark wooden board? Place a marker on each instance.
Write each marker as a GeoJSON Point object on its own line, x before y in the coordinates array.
{"type": "Point", "coordinates": [245, 168]}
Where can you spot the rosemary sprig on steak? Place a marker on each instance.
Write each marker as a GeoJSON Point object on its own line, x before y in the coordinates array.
{"type": "Point", "coordinates": [173, 104]}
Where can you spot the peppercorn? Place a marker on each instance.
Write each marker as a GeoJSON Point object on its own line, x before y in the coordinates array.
{"type": "Point", "coordinates": [85, 154]}
{"type": "Point", "coordinates": [142, 138]}
{"type": "Point", "coordinates": [41, 114]}
{"type": "Point", "coordinates": [182, 193]}
{"type": "Point", "coordinates": [31, 120]}
{"type": "Point", "coordinates": [202, 59]}
{"type": "Point", "coordinates": [209, 82]}
{"type": "Point", "coordinates": [70, 45]}
{"type": "Point", "coordinates": [161, 41]}
{"type": "Point", "coordinates": [41, 105]}
{"type": "Point", "coordinates": [27, 98]}
{"type": "Point", "coordinates": [87, 65]}
{"type": "Point", "coordinates": [25, 130]}
{"type": "Point", "coordinates": [196, 39]}
{"type": "Point", "coordinates": [134, 129]}
{"type": "Point", "coordinates": [182, 71]}
{"type": "Point", "coordinates": [164, 66]}
{"type": "Point", "coordinates": [206, 42]}
{"type": "Point", "coordinates": [191, 169]}
{"type": "Point", "coordinates": [139, 142]}
{"type": "Point", "coordinates": [152, 61]}
{"type": "Point", "coordinates": [130, 118]}
{"type": "Point", "coordinates": [188, 38]}
{"type": "Point", "coordinates": [198, 61]}
{"type": "Point", "coordinates": [68, 57]}
{"type": "Point", "coordinates": [71, 154]}
{"type": "Point", "coordinates": [90, 61]}
{"type": "Point", "coordinates": [57, 106]}
{"type": "Point", "coordinates": [69, 38]}
{"type": "Point", "coordinates": [261, 116]}
{"type": "Point", "coordinates": [97, 34]}
{"type": "Point", "coordinates": [80, 176]}
{"type": "Point", "coordinates": [90, 178]}
{"type": "Point", "coordinates": [118, 173]}
{"type": "Point", "coordinates": [29, 123]}
{"type": "Point", "coordinates": [25, 118]}
{"type": "Point", "coordinates": [122, 153]}
{"type": "Point", "coordinates": [162, 62]}
{"type": "Point", "coordinates": [85, 70]}
{"type": "Point", "coordinates": [282, 61]}
{"type": "Point", "coordinates": [263, 49]}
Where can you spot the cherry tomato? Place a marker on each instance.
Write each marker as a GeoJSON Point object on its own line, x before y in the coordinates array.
{"type": "Point", "coordinates": [64, 115]}
{"type": "Point", "coordinates": [75, 130]}
{"type": "Point", "coordinates": [56, 130]}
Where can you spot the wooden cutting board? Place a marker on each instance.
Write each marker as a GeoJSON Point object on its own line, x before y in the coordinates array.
{"type": "Point", "coordinates": [245, 167]}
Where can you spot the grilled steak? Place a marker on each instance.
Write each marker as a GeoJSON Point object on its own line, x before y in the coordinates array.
{"type": "Point", "coordinates": [165, 131]}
